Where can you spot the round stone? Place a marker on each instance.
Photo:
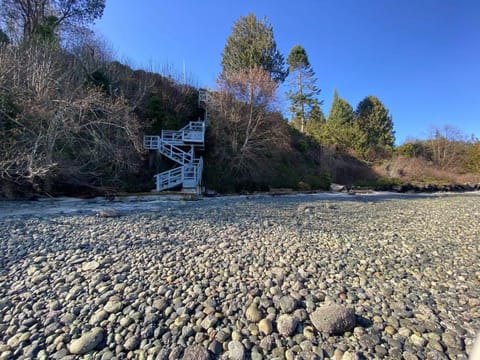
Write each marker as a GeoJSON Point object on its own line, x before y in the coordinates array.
{"type": "Point", "coordinates": [209, 322]}
{"type": "Point", "coordinates": [113, 306]}
{"type": "Point", "coordinates": [17, 339]}
{"type": "Point", "coordinates": [90, 265]}
{"type": "Point", "coordinates": [87, 342]}
{"type": "Point", "coordinates": [98, 317]}
{"type": "Point", "coordinates": [265, 326]}
{"type": "Point", "coordinates": [286, 324]}
{"type": "Point", "coordinates": [390, 330]}
{"type": "Point", "coordinates": [253, 314]}
{"type": "Point", "coordinates": [417, 340]}
{"type": "Point", "coordinates": [287, 304]}
{"type": "Point", "coordinates": [236, 350]}
{"type": "Point", "coordinates": [333, 319]}
{"type": "Point", "coordinates": [132, 343]}
{"type": "Point", "coordinates": [196, 352]}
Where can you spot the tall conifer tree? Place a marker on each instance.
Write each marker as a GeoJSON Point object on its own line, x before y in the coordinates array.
{"type": "Point", "coordinates": [252, 45]}
{"type": "Point", "coordinates": [303, 95]}
{"type": "Point", "coordinates": [376, 123]}
{"type": "Point", "coordinates": [340, 129]}
{"type": "Point", "coordinates": [341, 112]}
{"type": "Point", "coordinates": [316, 121]}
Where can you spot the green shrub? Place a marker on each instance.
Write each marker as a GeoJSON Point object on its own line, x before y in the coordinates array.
{"type": "Point", "coordinates": [324, 181]}
{"type": "Point", "coordinates": [411, 149]}
{"type": "Point", "coordinates": [303, 186]}
{"type": "Point", "coordinates": [302, 146]}
{"type": "Point", "coordinates": [383, 183]}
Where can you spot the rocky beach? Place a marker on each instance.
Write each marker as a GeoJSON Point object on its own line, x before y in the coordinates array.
{"type": "Point", "coordinates": [261, 277]}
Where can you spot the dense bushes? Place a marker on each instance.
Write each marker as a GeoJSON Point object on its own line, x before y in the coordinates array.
{"type": "Point", "coordinates": [55, 128]}
{"type": "Point", "coordinates": [73, 119]}
{"type": "Point", "coordinates": [419, 170]}
{"type": "Point", "coordinates": [447, 149]}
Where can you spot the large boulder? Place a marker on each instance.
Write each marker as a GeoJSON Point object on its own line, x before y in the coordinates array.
{"type": "Point", "coordinates": [338, 187]}
{"type": "Point", "coordinates": [333, 319]}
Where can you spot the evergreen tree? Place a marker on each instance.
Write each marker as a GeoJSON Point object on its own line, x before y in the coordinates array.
{"type": "Point", "coordinates": [316, 114]}
{"type": "Point", "coordinates": [472, 160]}
{"type": "Point", "coordinates": [340, 129]}
{"type": "Point", "coordinates": [341, 112]}
{"type": "Point", "coordinates": [302, 97]}
{"type": "Point", "coordinates": [251, 45]}
{"type": "Point", "coordinates": [316, 121]}
{"type": "Point", "coordinates": [374, 120]}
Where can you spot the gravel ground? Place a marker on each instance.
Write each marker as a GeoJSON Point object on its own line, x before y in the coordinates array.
{"type": "Point", "coordinates": [297, 277]}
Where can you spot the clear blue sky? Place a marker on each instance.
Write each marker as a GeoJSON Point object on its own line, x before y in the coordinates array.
{"type": "Point", "coordinates": [421, 58]}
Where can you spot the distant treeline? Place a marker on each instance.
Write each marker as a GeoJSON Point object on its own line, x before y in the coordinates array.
{"type": "Point", "coordinates": [72, 118]}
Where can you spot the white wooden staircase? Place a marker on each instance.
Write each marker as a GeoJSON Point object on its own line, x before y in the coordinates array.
{"type": "Point", "coordinates": [180, 146]}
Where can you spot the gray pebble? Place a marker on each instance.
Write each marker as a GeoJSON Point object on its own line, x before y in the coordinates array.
{"type": "Point", "coordinates": [87, 342]}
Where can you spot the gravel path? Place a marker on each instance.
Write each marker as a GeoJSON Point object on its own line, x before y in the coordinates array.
{"type": "Point", "coordinates": [298, 277]}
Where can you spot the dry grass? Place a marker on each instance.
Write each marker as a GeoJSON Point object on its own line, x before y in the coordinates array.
{"type": "Point", "coordinates": [418, 170]}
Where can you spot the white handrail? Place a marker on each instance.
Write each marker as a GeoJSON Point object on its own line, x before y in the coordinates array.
{"type": "Point", "coordinates": [194, 126]}
{"type": "Point", "coordinates": [194, 131]}
{"type": "Point", "coordinates": [203, 96]}
{"type": "Point", "coordinates": [176, 154]}
{"type": "Point", "coordinates": [190, 175]}
{"type": "Point", "coordinates": [171, 143]}
{"type": "Point", "coordinates": [169, 178]}
{"type": "Point", "coordinates": [151, 142]}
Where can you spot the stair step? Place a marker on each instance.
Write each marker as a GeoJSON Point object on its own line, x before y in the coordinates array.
{"type": "Point", "coordinates": [170, 143]}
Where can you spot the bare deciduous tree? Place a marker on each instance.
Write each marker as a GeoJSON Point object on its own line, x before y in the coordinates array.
{"type": "Point", "coordinates": [27, 18]}
{"type": "Point", "coordinates": [448, 147]}
{"type": "Point", "coordinates": [246, 127]}
{"type": "Point", "coordinates": [54, 127]}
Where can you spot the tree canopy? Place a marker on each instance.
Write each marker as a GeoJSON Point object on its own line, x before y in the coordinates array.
{"type": "Point", "coordinates": [28, 19]}
{"type": "Point", "coordinates": [252, 45]}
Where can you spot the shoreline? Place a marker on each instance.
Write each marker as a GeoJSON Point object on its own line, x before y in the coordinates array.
{"type": "Point", "coordinates": [127, 204]}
